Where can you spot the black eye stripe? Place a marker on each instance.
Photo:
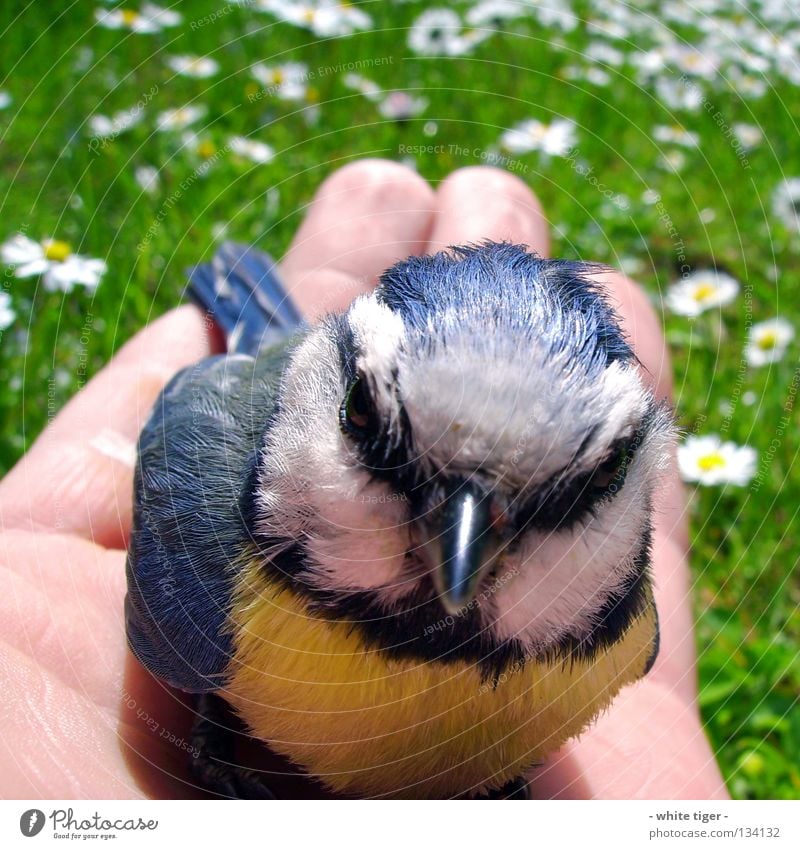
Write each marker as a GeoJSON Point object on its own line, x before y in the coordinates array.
{"type": "Point", "coordinates": [566, 497]}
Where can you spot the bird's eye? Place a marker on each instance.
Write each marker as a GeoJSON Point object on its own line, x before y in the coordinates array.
{"type": "Point", "coordinates": [357, 414]}
{"type": "Point", "coordinates": [612, 470]}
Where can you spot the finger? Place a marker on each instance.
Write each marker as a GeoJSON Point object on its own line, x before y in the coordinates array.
{"type": "Point", "coordinates": [478, 203]}
{"type": "Point", "coordinates": [77, 478]}
{"type": "Point", "coordinates": [62, 604]}
{"type": "Point", "coordinates": [643, 329]}
{"type": "Point", "coordinates": [81, 757]}
{"type": "Point", "coordinates": [365, 217]}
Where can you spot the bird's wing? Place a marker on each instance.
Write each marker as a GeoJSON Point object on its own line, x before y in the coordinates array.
{"type": "Point", "coordinates": [194, 475]}
{"type": "Point", "coordinates": [242, 289]}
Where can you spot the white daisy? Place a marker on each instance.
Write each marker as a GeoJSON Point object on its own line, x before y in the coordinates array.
{"type": "Point", "coordinates": [287, 81]}
{"type": "Point", "coordinates": [370, 90]}
{"type": "Point", "coordinates": [599, 51]}
{"type": "Point", "coordinates": [556, 139]}
{"type": "Point", "coordinates": [749, 135]}
{"type": "Point", "coordinates": [676, 135]}
{"type": "Point", "coordinates": [436, 32]}
{"type": "Point", "coordinates": [339, 19]}
{"type": "Point", "coordinates": [103, 126]}
{"type": "Point", "coordinates": [52, 258]}
{"type": "Point", "coordinates": [593, 74]}
{"type": "Point", "coordinates": [125, 19]}
{"type": "Point", "coordinates": [163, 17]}
{"type": "Point", "coordinates": [690, 60]}
{"type": "Point", "coordinates": [649, 62]}
{"type": "Point", "coordinates": [202, 147]}
{"type": "Point", "coordinates": [672, 160]}
{"type": "Point", "coordinates": [701, 291]}
{"type": "Point", "coordinates": [400, 106]}
{"type": "Point", "coordinates": [5, 99]}
{"type": "Point", "coordinates": [150, 19]}
{"type": "Point", "coordinates": [325, 18]}
{"type": "Point", "coordinates": [607, 29]}
{"type": "Point", "coordinates": [179, 119]}
{"type": "Point", "coordinates": [768, 341]}
{"type": "Point", "coordinates": [650, 196]}
{"type": "Point", "coordinates": [494, 13]}
{"type": "Point", "coordinates": [709, 461]}
{"type": "Point", "coordinates": [462, 45]}
{"type": "Point", "coordinates": [197, 67]}
{"type": "Point", "coordinates": [786, 203]}
{"type": "Point", "coordinates": [7, 314]}
{"type": "Point", "coordinates": [147, 178]}
{"type": "Point", "coordinates": [677, 94]}
{"type": "Point", "coordinates": [556, 13]}
{"type": "Point", "coordinates": [251, 149]}
{"type": "Point", "coordinates": [748, 85]}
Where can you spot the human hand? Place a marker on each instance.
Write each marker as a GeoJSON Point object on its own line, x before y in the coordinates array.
{"type": "Point", "coordinates": [82, 719]}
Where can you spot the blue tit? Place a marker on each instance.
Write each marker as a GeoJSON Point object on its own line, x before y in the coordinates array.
{"type": "Point", "coordinates": [408, 546]}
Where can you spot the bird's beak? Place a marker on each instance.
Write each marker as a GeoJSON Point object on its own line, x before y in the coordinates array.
{"type": "Point", "coordinates": [460, 544]}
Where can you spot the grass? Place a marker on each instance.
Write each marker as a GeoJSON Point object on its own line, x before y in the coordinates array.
{"type": "Point", "coordinates": [746, 589]}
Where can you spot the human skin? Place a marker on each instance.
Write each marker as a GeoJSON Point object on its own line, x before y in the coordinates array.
{"type": "Point", "coordinates": [82, 719]}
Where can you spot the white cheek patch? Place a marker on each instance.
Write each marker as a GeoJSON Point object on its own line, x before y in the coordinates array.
{"type": "Point", "coordinates": [370, 558]}
{"type": "Point", "coordinates": [311, 490]}
{"type": "Point", "coordinates": [560, 582]}
{"type": "Point", "coordinates": [362, 541]}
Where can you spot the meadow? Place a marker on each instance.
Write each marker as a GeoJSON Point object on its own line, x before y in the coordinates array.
{"type": "Point", "coordinates": [661, 138]}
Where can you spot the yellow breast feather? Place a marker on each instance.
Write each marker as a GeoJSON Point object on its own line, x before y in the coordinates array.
{"type": "Point", "coordinates": [367, 724]}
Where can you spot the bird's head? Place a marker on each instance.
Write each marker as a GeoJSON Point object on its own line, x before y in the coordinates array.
{"type": "Point", "coordinates": [466, 457]}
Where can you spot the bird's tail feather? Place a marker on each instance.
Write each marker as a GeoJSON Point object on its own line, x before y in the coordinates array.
{"type": "Point", "coordinates": [242, 291]}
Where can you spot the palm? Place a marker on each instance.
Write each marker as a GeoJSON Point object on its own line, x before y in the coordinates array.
{"type": "Point", "coordinates": [83, 719]}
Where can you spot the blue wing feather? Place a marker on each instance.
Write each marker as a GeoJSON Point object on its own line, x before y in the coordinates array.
{"type": "Point", "coordinates": [195, 456]}
{"type": "Point", "coordinates": [241, 288]}
{"type": "Point", "coordinates": [193, 481]}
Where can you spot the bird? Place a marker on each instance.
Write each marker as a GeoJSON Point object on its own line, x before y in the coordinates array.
{"type": "Point", "coordinates": [409, 546]}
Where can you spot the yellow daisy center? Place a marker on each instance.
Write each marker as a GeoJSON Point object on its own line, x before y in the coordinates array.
{"type": "Point", "coordinates": [56, 250]}
{"type": "Point", "coordinates": [129, 16]}
{"type": "Point", "coordinates": [277, 76]}
{"type": "Point", "coordinates": [704, 291]}
{"type": "Point", "coordinates": [767, 340]}
{"type": "Point", "coordinates": [308, 15]}
{"type": "Point", "coordinates": [206, 148]}
{"type": "Point", "coordinates": [715, 460]}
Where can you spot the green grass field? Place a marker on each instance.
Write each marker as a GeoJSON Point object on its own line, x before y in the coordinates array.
{"type": "Point", "coordinates": [644, 204]}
